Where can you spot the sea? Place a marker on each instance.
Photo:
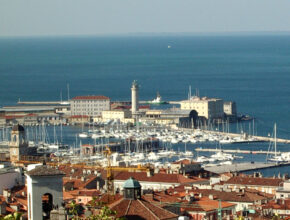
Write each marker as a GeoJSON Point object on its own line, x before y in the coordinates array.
{"type": "Point", "coordinates": [252, 70]}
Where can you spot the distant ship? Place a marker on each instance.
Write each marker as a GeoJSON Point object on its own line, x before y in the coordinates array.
{"type": "Point", "coordinates": [157, 100]}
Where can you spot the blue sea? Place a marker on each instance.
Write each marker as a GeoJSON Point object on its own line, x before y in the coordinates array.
{"type": "Point", "coordinates": [253, 70]}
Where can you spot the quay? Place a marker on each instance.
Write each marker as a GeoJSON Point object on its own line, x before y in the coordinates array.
{"type": "Point", "coordinates": [237, 151]}
{"type": "Point", "coordinates": [242, 167]}
{"type": "Point", "coordinates": [259, 138]}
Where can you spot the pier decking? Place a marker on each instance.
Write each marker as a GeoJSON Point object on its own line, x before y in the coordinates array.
{"type": "Point", "coordinates": [242, 167]}
{"type": "Point", "coordinates": [237, 151]}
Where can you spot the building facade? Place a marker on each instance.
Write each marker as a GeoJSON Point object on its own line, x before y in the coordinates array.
{"type": "Point", "coordinates": [117, 114]}
{"type": "Point", "coordinates": [89, 105]}
{"type": "Point", "coordinates": [210, 108]}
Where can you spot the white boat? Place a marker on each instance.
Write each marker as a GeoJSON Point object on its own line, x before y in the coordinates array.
{"type": "Point", "coordinates": [83, 135]}
{"type": "Point", "coordinates": [157, 100]}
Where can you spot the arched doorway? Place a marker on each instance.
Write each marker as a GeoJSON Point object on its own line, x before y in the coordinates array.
{"type": "Point", "coordinates": [47, 205]}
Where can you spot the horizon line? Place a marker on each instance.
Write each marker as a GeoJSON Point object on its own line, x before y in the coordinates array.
{"type": "Point", "coordinates": [137, 34]}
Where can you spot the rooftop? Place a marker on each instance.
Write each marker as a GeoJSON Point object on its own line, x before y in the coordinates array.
{"type": "Point", "coordinates": [131, 183]}
{"type": "Point", "coordinates": [156, 177]}
{"type": "Point", "coordinates": [44, 171]}
{"type": "Point", "coordinates": [254, 181]}
{"type": "Point", "coordinates": [140, 209]}
{"type": "Point", "coordinates": [91, 97]}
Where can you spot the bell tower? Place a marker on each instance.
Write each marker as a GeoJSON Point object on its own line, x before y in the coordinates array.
{"type": "Point", "coordinates": [18, 144]}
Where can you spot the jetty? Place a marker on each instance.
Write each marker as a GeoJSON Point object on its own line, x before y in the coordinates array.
{"type": "Point", "coordinates": [242, 167]}
{"type": "Point", "coordinates": [237, 151]}
{"type": "Point", "coordinates": [259, 138]}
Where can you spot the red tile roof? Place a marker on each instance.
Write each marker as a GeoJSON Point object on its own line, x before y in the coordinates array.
{"type": "Point", "coordinates": [207, 205]}
{"type": "Point", "coordinates": [129, 107]}
{"type": "Point", "coordinates": [140, 209]}
{"type": "Point", "coordinates": [254, 181]}
{"type": "Point", "coordinates": [156, 177]}
{"type": "Point", "coordinates": [232, 196]}
{"type": "Point", "coordinates": [79, 116]}
{"type": "Point", "coordinates": [278, 204]}
{"type": "Point", "coordinates": [91, 97]}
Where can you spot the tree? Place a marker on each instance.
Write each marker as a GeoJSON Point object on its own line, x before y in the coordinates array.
{"type": "Point", "coordinates": [74, 209]}
{"type": "Point", "coordinates": [106, 214]}
{"type": "Point", "coordinates": [14, 216]}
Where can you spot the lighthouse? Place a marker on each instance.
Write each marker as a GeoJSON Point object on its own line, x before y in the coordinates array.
{"type": "Point", "coordinates": [134, 97]}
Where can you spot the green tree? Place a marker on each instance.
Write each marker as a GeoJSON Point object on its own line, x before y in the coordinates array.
{"type": "Point", "coordinates": [106, 214]}
{"type": "Point", "coordinates": [74, 209]}
{"type": "Point", "coordinates": [14, 216]}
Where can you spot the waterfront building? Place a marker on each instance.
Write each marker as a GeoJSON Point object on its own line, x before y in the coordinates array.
{"type": "Point", "coordinates": [230, 108]}
{"type": "Point", "coordinates": [89, 105]}
{"type": "Point", "coordinates": [210, 108]}
{"type": "Point", "coordinates": [116, 114]}
{"type": "Point", "coordinates": [30, 115]}
{"type": "Point", "coordinates": [176, 116]}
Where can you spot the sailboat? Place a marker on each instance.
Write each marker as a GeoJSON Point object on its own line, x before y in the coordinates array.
{"type": "Point", "coordinates": [275, 158]}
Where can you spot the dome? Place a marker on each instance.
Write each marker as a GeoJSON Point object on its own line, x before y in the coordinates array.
{"type": "Point", "coordinates": [131, 183]}
{"type": "Point", "coordinates": [17, 127]}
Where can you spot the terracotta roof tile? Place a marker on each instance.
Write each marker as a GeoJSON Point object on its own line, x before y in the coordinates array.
{"type": "Point", "coordinates": [206, 204]}
{"type": "Point", "coordinates": [156, 177]}
{"type": "Point", "coordinates": [44, 171]}
{"type": "Point", "coordinates": [254, 181]}
{"type": "Point", "coordinates": [140, 209]}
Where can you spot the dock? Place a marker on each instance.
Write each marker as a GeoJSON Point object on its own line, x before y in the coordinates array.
{"type": "Point", "coordinates": [259, 138]}
{"type": "Point", "coordinates": [242, 167]}
{"type": "Point", "coordinates": [237, 151]}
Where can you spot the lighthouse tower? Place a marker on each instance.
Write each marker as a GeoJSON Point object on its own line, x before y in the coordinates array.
{"type": "Point", "coordinates": [134, 97]}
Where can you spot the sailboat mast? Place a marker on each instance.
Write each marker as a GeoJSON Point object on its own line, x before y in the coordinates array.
{"type": "Point", "coordinates": [275, 139]}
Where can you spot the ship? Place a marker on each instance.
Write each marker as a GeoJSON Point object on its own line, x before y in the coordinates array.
{"type": "Point", "coordinates": [157, 100]}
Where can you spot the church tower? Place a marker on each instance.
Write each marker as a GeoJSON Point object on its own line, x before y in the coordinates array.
{"type": "Point", "coordinates": [18, 144]}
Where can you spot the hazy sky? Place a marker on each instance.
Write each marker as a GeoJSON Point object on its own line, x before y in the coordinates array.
{"type": "Point", "coordinates": [93, 17]}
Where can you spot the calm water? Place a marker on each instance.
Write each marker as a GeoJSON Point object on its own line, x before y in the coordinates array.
{"type": "Point", "coordinates": [254, 71]}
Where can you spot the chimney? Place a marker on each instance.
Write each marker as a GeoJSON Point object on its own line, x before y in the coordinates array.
{"type": "Point", "coordinates": [149, 172]}
{"type": "Point", "coordinates": [210, 196]}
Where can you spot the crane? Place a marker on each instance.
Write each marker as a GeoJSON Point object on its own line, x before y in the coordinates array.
{"type": "Point", "coordinates": [110, 170]}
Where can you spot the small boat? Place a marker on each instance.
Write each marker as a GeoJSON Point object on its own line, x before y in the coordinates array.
{"type": "Point", "coordinates": [157, 100]}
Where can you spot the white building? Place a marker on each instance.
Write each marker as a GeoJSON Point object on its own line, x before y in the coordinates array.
{"type": "Point", "coordinates": [284, 191]}
{"type": "Point", "coordinates": [89, 105]}
{"type": "Point", "coordinates": [117, 114]}
{"type": "Point", "coordinates": [210, 108]}
{"type": "Point", "coordinates": [156, 181]}
{"type": "Point", "coordinates": [9, 177]}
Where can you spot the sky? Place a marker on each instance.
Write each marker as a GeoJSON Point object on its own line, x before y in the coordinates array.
{"type": "Point", "coordinates": [111, 17]}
